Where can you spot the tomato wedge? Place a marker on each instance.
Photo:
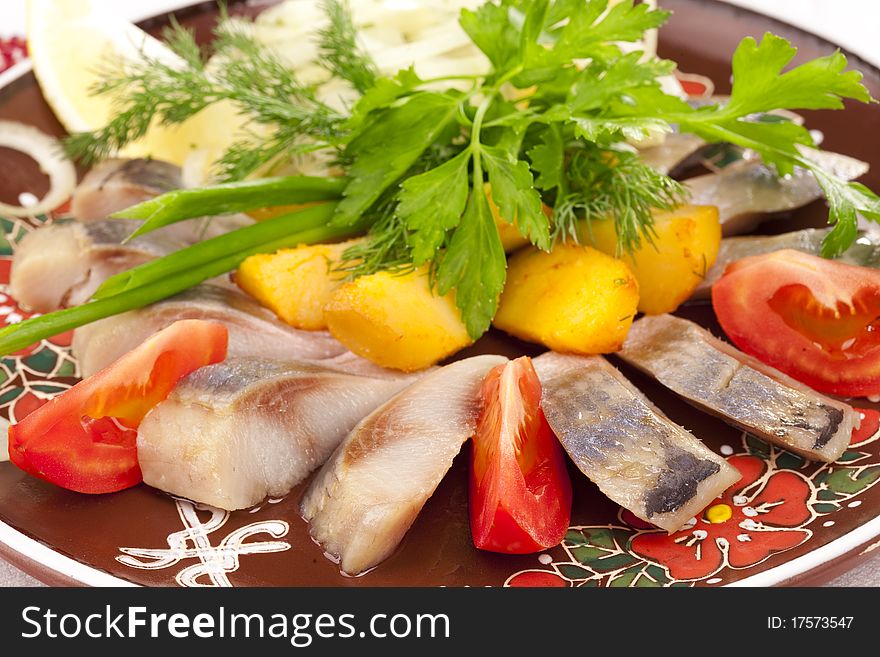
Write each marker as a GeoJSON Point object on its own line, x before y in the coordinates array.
{"type": "Point", "coordinates": [520, 490]}
{"type": "Point", "coordinates": [85, 438]}
{"type": "Point", "coordinates": [814, 319]}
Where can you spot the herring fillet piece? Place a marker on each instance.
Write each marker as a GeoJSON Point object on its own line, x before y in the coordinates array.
{"type": "Point", "coordinates": [254, 331]}
{"type": "Point", "coordinates": [745, 192]}
{"type": "Point", "coordinates": [116, 184]}
{"type": "Point", "coordinates": [625, 445]}
{"type": "Point", "coordinates": [60, 265]}
{"type": "Point", "coordinates": [672, 151]}
{"type": "Point", "coordinates": [366, 497]}
{"type": "Point", "coordinates": [233, 433]}
{"type": "Point", "coordinates": [733, 386]}
{"type": "Point", "coordinates": [864, 252]}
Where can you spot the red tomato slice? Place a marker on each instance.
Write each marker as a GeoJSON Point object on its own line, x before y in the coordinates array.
{"type": "Point", "coordinates": [85, 438]}
{"type": "Point", "coordinates": [520, 491]}
{"type": "Point", "coordinates": [814, 319]}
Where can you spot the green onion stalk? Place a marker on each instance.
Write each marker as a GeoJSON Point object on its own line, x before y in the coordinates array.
{"type": "Point", "coordinates": [186, 268]}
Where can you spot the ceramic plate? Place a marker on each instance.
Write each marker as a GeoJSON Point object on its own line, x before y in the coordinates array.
{"type": "Point", "coordinates": [788, 520]}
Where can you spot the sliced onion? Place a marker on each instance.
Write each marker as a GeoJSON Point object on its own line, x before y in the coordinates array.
{"type": "Point", "coordinates": [46, 152]}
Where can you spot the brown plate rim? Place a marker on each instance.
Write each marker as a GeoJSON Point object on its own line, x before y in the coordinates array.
{"type": "Point", "coordinates": [52, 567]}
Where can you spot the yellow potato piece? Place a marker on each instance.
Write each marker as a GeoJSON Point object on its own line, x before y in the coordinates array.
{"type": "Point", "coordinates": [669, 270]}
{"type": "Point", "coordinates": [296, 283]}
{"type": "Point", "coordinates": [511, 238]}
{"type": "Point", "coordinates": [573, 299]}
{"type": "Point", "coordinates": [396, 321]}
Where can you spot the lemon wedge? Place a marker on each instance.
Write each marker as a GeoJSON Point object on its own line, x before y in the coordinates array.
{"type": "Point", "coordinates": [71, 43]}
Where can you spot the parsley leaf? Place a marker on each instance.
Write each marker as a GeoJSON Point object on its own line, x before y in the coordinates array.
{"type": "Point", "coordinates": [776, 143]}
{"type": "Point", "coordinates": [514, 193]}
{"type": "Point", "coordinates": [598, 84]}
{"type": "Point", "coordinates": [383, 93]}
{"type": "Point", "coordinates": [759, 85]}
{"type": "Point", "coordinates": [608, 129]}
{"type": "Point", "coordinates": [431, 204]}
{"type": "Point", "coordinates": [589, 34]}
{"type": "Point", "coordinates": [845, 200]}
{"type": "Point", "coordinates": [388, 146]}
{"type": "Point", "coordinates": [548, 159]}
{"type": "Point", "coordinates": [490, 29]}
{"type": "Point", "coordinates": [474, 265]}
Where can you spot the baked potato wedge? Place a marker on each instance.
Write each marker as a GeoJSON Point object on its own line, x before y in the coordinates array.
{"type": "Point", "coordinates": [574, 299]}
{"type": "Point", "coordinates": [396, 320]}
{"type": "Point", "coordinates": [671, 266]}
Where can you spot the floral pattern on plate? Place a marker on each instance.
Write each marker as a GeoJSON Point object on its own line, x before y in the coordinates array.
{"type": "Point", "coordinates": [771, 510]}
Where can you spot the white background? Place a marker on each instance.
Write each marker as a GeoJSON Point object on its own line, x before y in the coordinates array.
{"type": "Point", "coordinates": [853, 24]}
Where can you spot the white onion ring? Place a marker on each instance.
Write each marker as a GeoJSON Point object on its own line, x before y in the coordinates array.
{"type": "Point", "coordinates": [46, 152]}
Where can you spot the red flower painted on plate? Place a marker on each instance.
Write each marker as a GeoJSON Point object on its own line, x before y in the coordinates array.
{"type": "Point", "coordinates": [754, 519]}
{"type": "Point", "coordinates": [12, 313]}
{"type": "Point", "coordinates": [25, 405]}
{"type": "Point", "coordinates": [695, 86]}
{"type": "Point", "coordinates": [537, 579]}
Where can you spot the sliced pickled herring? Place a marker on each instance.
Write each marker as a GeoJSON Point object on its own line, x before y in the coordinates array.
{"type": "Point", "coordinates": [719, 379]}
{"type": "Point", "coordinates": [625, 445]}
{"type": "Point", "coordinates": [254, 331]}
{"type": "Point", "coordinates": [61, 265]}
{"type": "Point", "coordinates": [671, 152]}
{"type": "Point", "coordinates": [864, 252]}
{"type": "Point", "coordinates": [365, 498]}
{"type": "Point", "coordinates": [117, 184]}
{"type": "Point", "coordinates": [234, 433]}
{"type": "Point", "coordinates": [748, 191]}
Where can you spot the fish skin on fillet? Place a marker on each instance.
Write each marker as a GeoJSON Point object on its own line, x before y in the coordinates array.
{"type": "Point", "coordinates": [721, 380]}
{"type": "Point", "coordinates": [624, 444]}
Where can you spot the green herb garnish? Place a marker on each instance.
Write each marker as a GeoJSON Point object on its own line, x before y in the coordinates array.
{"type": "Point", "coordinates": [243, 73]}
{"type": "Point", "coordinates": [549, 123]}
{"type": "Point", "coordinates": [228, 198]}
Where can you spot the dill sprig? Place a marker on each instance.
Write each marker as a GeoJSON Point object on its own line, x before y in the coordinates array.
{"type": "Point", "coordinates": [269, 92]}
{"type": "Point", "coordinates": [385, 247]}
{"type": "Point", "coordinates": [613, 186]}
{"type": "Point", "coordinates": [285, 117]}
{"type": "Point", "coordinates": [339, 51]}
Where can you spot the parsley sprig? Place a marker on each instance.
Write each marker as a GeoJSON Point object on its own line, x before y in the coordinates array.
{"type": "Point", "coordinates": [550, 123]}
